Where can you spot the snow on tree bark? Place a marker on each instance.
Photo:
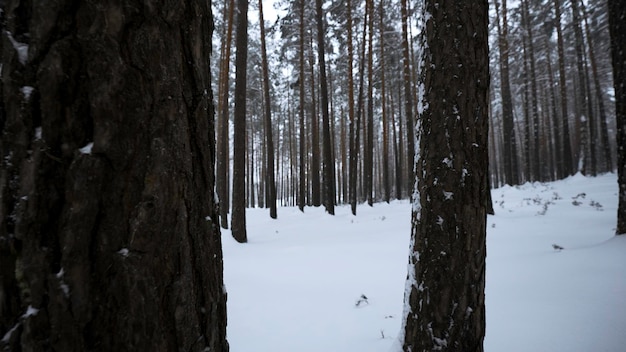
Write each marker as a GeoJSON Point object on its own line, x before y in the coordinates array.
{"type": "Point", "coordinates": [617, 28]}
{"type": "Point", "coordinates": [444, 297]}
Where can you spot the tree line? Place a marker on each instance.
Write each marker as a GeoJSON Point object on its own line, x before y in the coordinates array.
{"type": "Point", "coordinates": [332, 100]}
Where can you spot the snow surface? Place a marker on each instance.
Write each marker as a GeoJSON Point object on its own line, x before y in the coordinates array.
{"type": "Point", "coordinates": [296, 284]}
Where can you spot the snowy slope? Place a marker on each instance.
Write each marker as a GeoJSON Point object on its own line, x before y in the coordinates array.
{"type": "Point", "coordinates": [296, 284]}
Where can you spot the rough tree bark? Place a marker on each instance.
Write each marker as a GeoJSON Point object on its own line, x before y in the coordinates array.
{"type": "Point", "coordinates": [327, 157]}
{"type": "Point", "coordinates": [270, 178]}
{"type": "Point", "coordinates": [223, 154]}
{"type": "Point", "coordinates": [408, 95]}
{"type": "Point", "coordinates": [617, 28]}
{"type": "Point", "coordinates": [444, 297]}
{"type": "Point", "coordinates": [302, 173]}
{"type": "Point", "coordinates": [238, 219]}
{"type": "Point", "coordinates": [568, 159]}
{"type": "Point", "coordinates": [109, 234]}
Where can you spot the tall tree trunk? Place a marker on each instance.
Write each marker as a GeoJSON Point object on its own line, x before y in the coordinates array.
{"type": "Point", "coordinates": [408, 97]}
{"type": "Point", "coordinates": [385, 141]}
{"type": "Point", "coordinates": [582, 97]}
{"type": "Point", "coordinates": [109, 233]}
{"type": "Point", "coordinates": [303, 184]}
{"type": "Point", "coordinates": [316, 193]}
{"type": "Point", "coordinates": [604, 128]}
{"type": "Point", "coordinates": [223, 154]}
{"type": "Point", "coordinates": [557, 168]}
{"type": "Point", "coordinates": [351, 118]}
{"type": "Point", "coordinates": [617, 28]}
{"type": "Point", "coordinates": [444, 296]}
{"type": "Point", "coordinates": [270, 180]}
{"type": "Point", "coordinates": [568, 161]}
{"type": "Point", "coordinates": [534, 104]}
{"type": "Point", "coordinates": [238, 220]}
{"type": "Point", "coordinates": [368, 152]}
{"type": "Point", "coordinates": [527, 122]}
{"type": "Point", "coordinates": [354, 157]}
{"type": "Point", "coordinates": [511, 168]}
{"type": "Point", "coordinates": [329, 164]}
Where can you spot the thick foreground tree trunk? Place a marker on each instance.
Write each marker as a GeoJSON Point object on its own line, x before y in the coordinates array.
{"type": "Point", "coordinates": [444, 297]}
{"type": "Point", "coordinates": [617, 28]}
{"type": "Point", "coordinates": [109, 236]}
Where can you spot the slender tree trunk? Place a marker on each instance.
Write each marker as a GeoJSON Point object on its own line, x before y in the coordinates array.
{"type": "Point", "coordinates": [238, 220]}
{"type": "Point", "coordinates": [269, 141]}
{"type": "Point", "coordinates": [617, 28]}
{"type": "Point", "coordinates": [303, 185]}
{"type": "Point", "coordinates": [534, 104]}
{"type": "Point", "coordinates": [582, 97]}
{"type": "Point", "coordinates": [223, 154]}
{"type": "Point", "coordinates": [568, 161]}
{"type": "Point", "coordinates": [511, 168]}
{"type": "Point", "coordinates": [408, 97]}
{"type": "Point", "coordinates": [329, 164]}
{"type": "Point", "coordinates": [316, 193]}
{"type": "Point", "coordinates": [527, 122]}
{"type": "Point", "coordinates": [351, 118]}
{"type": "Point", "coordinates": [444, 296]}
{"type": "Point", "coordinates": [385, 141]}
{"type": "Point", "coordinates": [604, 128]}
{"type": "Point", "coordinates": [109, 238]}
{"type": "Point", "coordinates": [368, 152]}
{"type": "Point", "coordinates": [557, 168]}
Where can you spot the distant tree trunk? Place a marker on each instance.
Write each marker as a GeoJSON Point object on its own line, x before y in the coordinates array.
{"type": "Point", "coordinates": [557, 168]}
{"type": "Point", "coordinates": [582, 97]}
{"type": "Point", "coordinates": [604, 128]}
{"type": "Point", "coordinates": [511, 168]}
{"type": "Point", "coordinates": [385, 152]}
{"type": "Point", "coordinates": [316, 189]}
{"type": "Point", "coordinates": [534, 103]}
{"type": "Point", "coordinates": [269, 141]}
{"type": "Point", "coordinates": [351, 118]}
{"type": "Point", "coordinates": [354, 157]}
{"type": "Point", "coordinates": [238, 220]}
{"type": "Point", "coordinates": [568, 161]}
{"type": "Point", "coordinates": [444, 297]}
{"type": "Point", "coordinates": [527, 120]}
{"type": "Point", "coordinates": [617, 28]}
{"type": "Point", "coordinates": [368, 152]}
{"type": "Point", "coordinates": [223, 155]}
{"type": "Point", "coordinates": [408, 95]}
{"type": "Point", "coordinates": [109, 232]}
{"type": "Point", "coordinates": [329, 164]}
{"type": "Point", "coordinates": [303, 183]}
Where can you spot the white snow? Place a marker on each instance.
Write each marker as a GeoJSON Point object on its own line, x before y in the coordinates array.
{"type": "Point", "coordinates": [293, 287]}
{"type": "Point", "coordinates": [20, 48]}
{"type": "Point", "coordinates": [87, 149]}
{"type": "Point", "coordinates": [27, 91]}
{"type": "Point", "coordinates": [30, 311]}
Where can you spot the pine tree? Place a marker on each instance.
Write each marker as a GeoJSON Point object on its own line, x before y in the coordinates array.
{"type": "Point", "coordinates": [444, 297]}
{"type": "Point", "coordinates": [109, 238]}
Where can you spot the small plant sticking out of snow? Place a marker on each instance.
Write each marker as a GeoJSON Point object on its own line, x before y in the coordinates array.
{"type": "Point", "coordinates": [544, 208]}
{"type": "Point", "coordinates": [361, 301]}
{"type": "Point", "coordinates": [556, 196]}
{"type": "Point", "coordinates": [596, 205]}
{"type": "Point", "coordinates": [557, 247]}
{"type": "Point", "coordinates": [576, 201]}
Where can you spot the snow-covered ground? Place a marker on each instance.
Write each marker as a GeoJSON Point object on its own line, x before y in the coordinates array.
{"type": "Point", "coordinates": [297, 284]}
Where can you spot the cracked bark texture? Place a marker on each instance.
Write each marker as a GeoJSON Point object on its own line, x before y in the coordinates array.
{"type": "Point", "coordinates": [109, 238]}
{"type": "Point", "coordinates": [445, 297]}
